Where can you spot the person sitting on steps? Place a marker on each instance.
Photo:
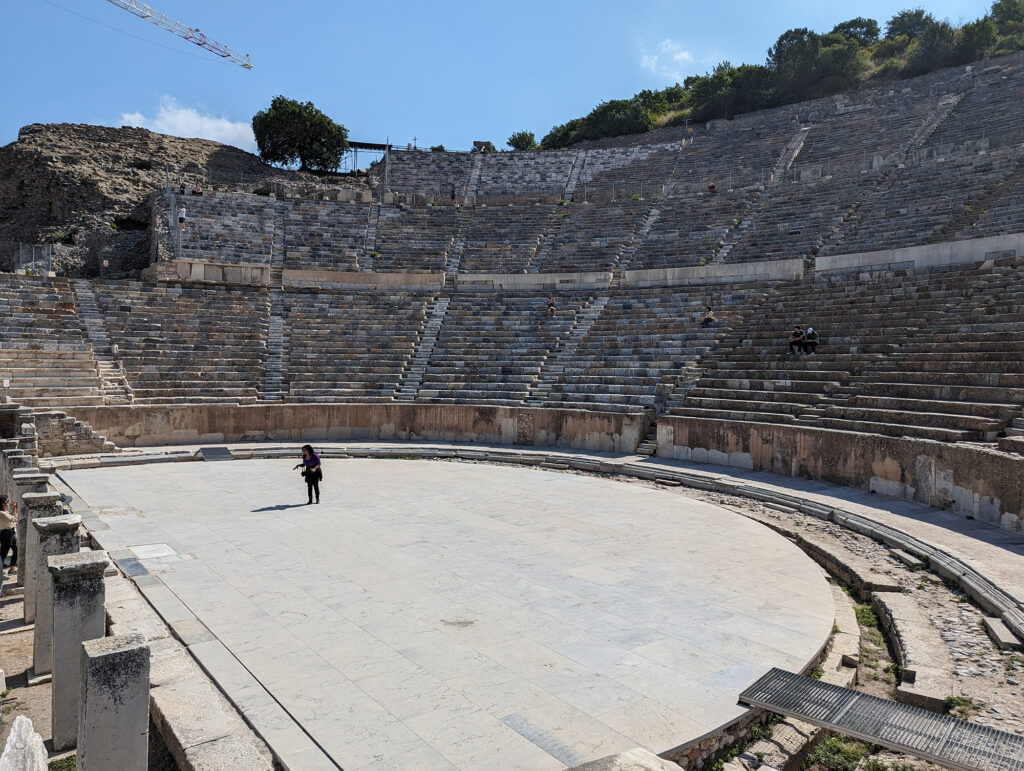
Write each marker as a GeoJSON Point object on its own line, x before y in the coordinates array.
{"type": "Point", "coordinates": [796, 340]}
{"type": "Point", "coordinates": [709, 318]}
{"type": "Point", "coordinates": [810, 341]}
{"type": "Point", "coordinates": [551, 305]}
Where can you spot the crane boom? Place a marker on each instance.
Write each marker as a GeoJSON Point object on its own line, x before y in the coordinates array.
{"type": "Point", "coordinates": [190, 34]}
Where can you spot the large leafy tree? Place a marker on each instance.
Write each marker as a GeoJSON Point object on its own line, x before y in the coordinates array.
{"type": "Point", "coordinates": [522, 140]}
{"type": "Point", "coordinates": [864, 31]}
{"type": "Point", "coordinates": [290, 132]}
{"type": "Point", "coordinates": [911, 23]}
{"type": "Point", "coordinates": [792, 62]}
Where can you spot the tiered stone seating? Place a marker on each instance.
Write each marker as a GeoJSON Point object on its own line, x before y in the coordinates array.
{"type": "Point", "coordinates": [524, 173]}
{"type": "Point", "coordinates": [960, 378]}
{"type": "Point", "coordinates": [413, 240]}
{"type": "Point", "coordinates": [848, 131]}
{"type": "Point", "coordinates": [734, 154]}
{"type": "Point", "coordinates": [192, 344]}
{"type": "Point", "coordinates": [322, 235]}
{"type": "Point", "coordinates": [350, 346]}
{"type": "Point", "coordinates": [236, 228]}
{"type": "Point", "coordinates": [492, 347]}
{"type": "Point", "coordinates": [922, 201]}
{"type": "Point", "coordinates": [502, 239]}
{"type": "Point", "coordinates": [423, 172]}
{"type": "Point", "coordinates": [631, 356]}
{"type": "Point", "coordinates": [589, 237]}
{"type": "Point", "coordinates": [862, 321]}
{"type": "Point", "coordinates": [613, 173]}
{"type": "Point", "coordinates": [43, 350]}
{"type": "Point", "coordinates": [990, 109]}
{"type": "Point", "coordinates": [689, 229]}
{"type": "Point", "coordinates": [793, 219]}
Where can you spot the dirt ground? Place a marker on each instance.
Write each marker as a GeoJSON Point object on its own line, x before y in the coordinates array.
{"type": "Point", "coordinates": [16, 659]}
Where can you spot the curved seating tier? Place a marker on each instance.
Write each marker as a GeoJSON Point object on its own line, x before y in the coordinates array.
{"type": "Point", "coordinates": [187, 344]}
{"type": "Point", "coordinates": [44, 352]}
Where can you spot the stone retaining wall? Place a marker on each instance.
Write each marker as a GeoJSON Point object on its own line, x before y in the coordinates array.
{"type": "Point", "coordinates": [977, 483]}
{"type": "Point", "coordinates": [148, 425]}
{"type": "Point", "coordinates": [724, 273]}
{"type": "Point", "coordinates": [926, 256]}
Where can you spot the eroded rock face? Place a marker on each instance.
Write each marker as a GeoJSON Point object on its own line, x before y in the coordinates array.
{"type": "Point", "coordinates": [87, 188]}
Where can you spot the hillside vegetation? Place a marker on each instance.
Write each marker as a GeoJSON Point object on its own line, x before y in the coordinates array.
{"type": "Point", "coordinates": [803, 64]}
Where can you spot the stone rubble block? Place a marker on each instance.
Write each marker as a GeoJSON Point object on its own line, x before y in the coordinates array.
{"type": "Point", "coordinates": [24, 750]}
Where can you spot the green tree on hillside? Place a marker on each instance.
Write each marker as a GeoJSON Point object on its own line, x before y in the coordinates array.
{"type": "Point", "coordinates": [977, 39]}
{"type": "Point", "coordinates": [522, 140]}
{"type": "Point", "coordinates": [290, 132]}
{"type": "Point", "coordinates": [792, 63]}
{"type": "Point", "coordinates": [864, 31]}
{"type": "Point", "coordinates": [911, 23]}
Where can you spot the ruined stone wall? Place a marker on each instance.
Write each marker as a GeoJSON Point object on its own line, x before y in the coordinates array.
{"type": "Point", "coordinates": [974, 482]}
{"type": "Point", "coordinates": [146, 425]}
{"type": "Point", "coordinates": [57, 434]}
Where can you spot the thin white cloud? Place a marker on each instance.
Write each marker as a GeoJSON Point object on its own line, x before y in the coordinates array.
{"type": "Point", "coordinates": [176, 119]}
{"type": "Point", "coordinates": [668, 60]}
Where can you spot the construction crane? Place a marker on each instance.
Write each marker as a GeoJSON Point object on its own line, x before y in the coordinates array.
{"type": "Point", "coordinates": [164, 21]}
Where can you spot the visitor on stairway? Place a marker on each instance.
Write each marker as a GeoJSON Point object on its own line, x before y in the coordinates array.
{"type": "Point", "coordinates": [796, 340]}
{"type": "Point", "coordinates": [810, 340]}
{"type": "Point", "coordinates": [196, 189]}
{"type": "Point", "coordinates": [181, 217]}
{"type": "Point", "coordinates": [712, 189]}
{"type": "Point", "coordinates": [453, 195]}
{"type": "Point", "coordinates": [311, 472]}
{"type": "Point", "coordinates": [551, 305]}
{"type": "Point", "coordinates": [181, 187]}
{"type": "Point", "coordinates": [8, 533]}
{"type": "Point", "coordinates": [709, 318]}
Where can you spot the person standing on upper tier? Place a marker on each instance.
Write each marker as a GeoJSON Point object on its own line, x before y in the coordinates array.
{"type": "Point", "coordinates": [181, 217]}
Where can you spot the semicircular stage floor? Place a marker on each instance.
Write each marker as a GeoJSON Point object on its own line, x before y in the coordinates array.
{"type": "Point", "coordinates": [440, 615]}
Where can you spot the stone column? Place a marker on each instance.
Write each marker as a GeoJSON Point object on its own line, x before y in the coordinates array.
{"type": "Point", "coordinates": [78, 616]}
{"type": "Point", "coordinates": [55, 536]}
{"type": "Point", "coordinates": [24, 480]}
{"type": "Point", "coordinates": [113, 720]}
{"type": "Point", "coordinates": [33, 506]}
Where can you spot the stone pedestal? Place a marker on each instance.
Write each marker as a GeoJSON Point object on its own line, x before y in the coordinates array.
{"type": "Point", "coordinates": [78, 615]}
{"type": "Point", "coordinates": [113, 722]}
{"type": "Point", "coordinates": [55, 536]}
{"type": "Point", "coordinates": [34, 505]}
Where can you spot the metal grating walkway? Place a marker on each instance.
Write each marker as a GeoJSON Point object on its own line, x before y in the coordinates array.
{"type": "Point", "coordinates": [937, 738]}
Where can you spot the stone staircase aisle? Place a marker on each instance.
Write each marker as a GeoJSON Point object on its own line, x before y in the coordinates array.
{"type": "Point", "coordinates": [649, 445]}
{"type": "Point", "coordinates": [629, 252]}
{"type": "Point", "coordinates": [112, 377]}
{"type": "Point", "coordinates": [574, 174]}
{"type": "Point", "coordinates": [274, 381]}
{"type": "Point", "coordinates": [370, 240]}
{"type": "Point", "coordinates": [563, 353]}
{"type": "Point", "coordinates": [474, 177]}
{"type": "Point", "coordinates": [457, 247]}
{"type": "Point", "coordinates": [413, 377]}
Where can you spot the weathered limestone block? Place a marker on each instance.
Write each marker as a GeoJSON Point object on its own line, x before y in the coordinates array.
{"type": "Point", "coordinates": [24, 750]}
{"type": "Point", "coordinates": [78, 593]}
{"type": "Point", "coordinates": [637, 759]}
{"type": "Point", "coordinates": [55, 535]}
{"type": "Point", "coordinates": [35, 505]}
{"type": "Point", "coordinates": [113, 720]}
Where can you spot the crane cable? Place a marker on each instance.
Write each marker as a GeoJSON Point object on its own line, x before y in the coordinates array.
{"type": "Point", "coordinates": [137, 37]}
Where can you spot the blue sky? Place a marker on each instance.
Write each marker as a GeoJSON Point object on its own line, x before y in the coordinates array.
{"type": "Point", "coordinates": [445, 73]}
